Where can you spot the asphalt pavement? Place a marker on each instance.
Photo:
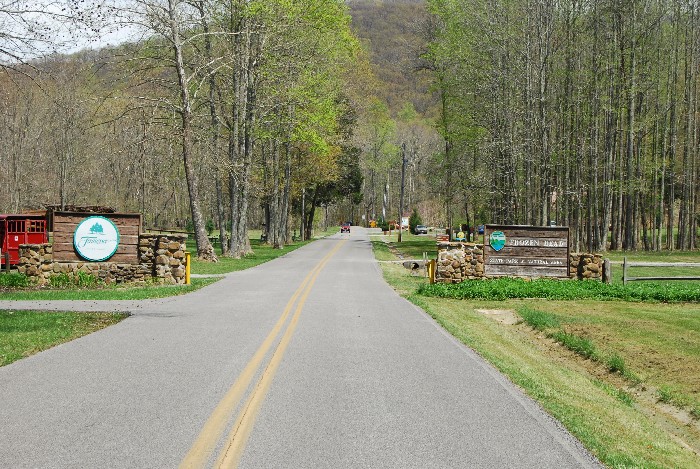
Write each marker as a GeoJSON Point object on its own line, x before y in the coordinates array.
{"type": "Point", "coordinates": [308, 361]}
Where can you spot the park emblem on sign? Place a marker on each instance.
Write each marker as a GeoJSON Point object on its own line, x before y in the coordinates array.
{"type": "Point", "coordinates": [497, 240]}
{"type": "Point", "coordinates": [96, 239]}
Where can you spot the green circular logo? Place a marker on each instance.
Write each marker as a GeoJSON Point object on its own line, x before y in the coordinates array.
{"type": "Point", "coordinates": [96, 239]}
{"type": "Point", "coordinates": [497, 240]}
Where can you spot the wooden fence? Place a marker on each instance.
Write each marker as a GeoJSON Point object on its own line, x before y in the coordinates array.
{"type": "Point", "coordinates": [626, 278]}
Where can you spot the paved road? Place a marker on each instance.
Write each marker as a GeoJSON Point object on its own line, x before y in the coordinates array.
{"type": "Point", "coordinates": [309, 361]}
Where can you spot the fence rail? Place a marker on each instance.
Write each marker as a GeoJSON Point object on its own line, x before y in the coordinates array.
{"type": "Point", "coordinates": [626, 278]}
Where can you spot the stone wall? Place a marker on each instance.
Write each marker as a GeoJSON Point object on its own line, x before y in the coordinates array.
{"type": "Point", "coordinates": [166, 255]}
{"type": "Point", "coordinates": [586, 266]}
{"type": "Point", "coordinates": [459, 261]}
{"type": "Point", "coordinates": [161, 259]}
{"type": "Point", "coordinates": [462, 261]}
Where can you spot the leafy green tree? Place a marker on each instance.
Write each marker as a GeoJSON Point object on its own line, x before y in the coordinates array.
{"type": "Point", "coordinates": [414, 220]}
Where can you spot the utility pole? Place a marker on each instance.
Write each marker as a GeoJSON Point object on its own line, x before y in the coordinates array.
{"type": "Point", "coordinates": [403, 183]}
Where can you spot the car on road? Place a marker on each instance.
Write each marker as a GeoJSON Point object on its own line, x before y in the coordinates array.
{"type": "Point", "coordinates": [420, 229]}
{"type": "Point", "coordinates": [345, 227]}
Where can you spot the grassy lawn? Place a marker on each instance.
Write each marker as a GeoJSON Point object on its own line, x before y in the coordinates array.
{"type": "Point", "coordinates": [411, 246]}
{"type": "Point", "coordinates": [623, 377]}
{"type": "Point", "coordinates": [662, 256]}
{"type": "Point", "coordinates": [117, 292]}
{"type": "Point", "coordinates": [24, 333]}
{"type": "Point", "coordinates": [261, 253]}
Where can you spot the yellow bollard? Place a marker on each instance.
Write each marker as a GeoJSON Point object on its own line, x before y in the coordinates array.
{"type": "Point", "coordinates": [432, 264]}
{"type": "Point", "coordinates": [187, 267]}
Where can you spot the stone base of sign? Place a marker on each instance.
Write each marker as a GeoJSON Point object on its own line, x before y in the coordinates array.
{"type": "Point", "coordinates": [585, 266]}
{"type": "Point", "coordinates": [457, 262]}
{"type": "Point", "coordinates": [161, 259]}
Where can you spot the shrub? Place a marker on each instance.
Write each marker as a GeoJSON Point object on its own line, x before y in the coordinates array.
{"type": "Point", "coordinates": [538, 319]}
{"type": "Point", "coordinates": [84, 280]}
{"type": "Point", "coordinates": [383, 224]}
{"type": "Point", "coordinates": [14, 280]}
{"type": "Point", "coordinates": [578, 345]}
{"type": "Point", "coordinates": [695, 412]}
{"type": "Point", "coordinates": [616, 363]}
{"type": "Point", "coordinates": [665, 394]}
{"type": "Point", "coordinates": [60, 281]}
{"type": "Point", "coordinates": [81, 280]}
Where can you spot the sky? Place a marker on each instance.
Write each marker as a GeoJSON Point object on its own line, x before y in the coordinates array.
{"type": "Point", "coordinates": [32, 28]}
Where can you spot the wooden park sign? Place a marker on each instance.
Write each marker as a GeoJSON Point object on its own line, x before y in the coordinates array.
{"type": "Point", "coordinates": [526, 251]}
{"type": "Point", "coordinates": [91, 237]}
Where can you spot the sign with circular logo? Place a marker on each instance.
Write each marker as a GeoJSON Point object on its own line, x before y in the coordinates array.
{"type": "Point", "coordinates": [497, 240]}
{"type": "Point", "coordinates": [96, 239]}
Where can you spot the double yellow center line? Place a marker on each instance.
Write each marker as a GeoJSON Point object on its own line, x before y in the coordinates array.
{"type": "Point", "coordinates": [232, 448]}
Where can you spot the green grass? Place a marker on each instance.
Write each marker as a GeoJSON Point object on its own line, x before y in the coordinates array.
{"type": "Point", "coordinates": [261, 253]}
{"type": "Point", "coordinates": [381, 251]}
{"type": "Point", "coordinates": [120, 292]}
{"type": "Point", "coordinates": [410, 247]}
{"type": "Point", "coordinates": [660, 271]}
{"type": "Point", "coordinates": [579, 345]}
{"type": "Point", "coordinates": [509, 288]}
{"type": "Point", "coordinates": [14, 280]}
{"type": "Point", "coordinates": [552, 326]}
{"type": "Point", "coordinates": [619, 394]}
{"type": "Point", "coordinates": [413, 246]}
{"type": "Point", "coordinates": [652, 256]}
{"type": "Point", "coordinates": [539, 320]}
{"type": "Point", "coordinates": [23, 333]}
{"type": "Point", "coordinates": [639, 345]}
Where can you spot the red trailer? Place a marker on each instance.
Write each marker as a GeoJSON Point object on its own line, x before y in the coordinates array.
{"type": "Point", "coordinates": [20, 229]}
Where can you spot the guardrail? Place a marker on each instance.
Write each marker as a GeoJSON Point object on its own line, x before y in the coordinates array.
{"type": "Point", "coordinates": [626, 264]}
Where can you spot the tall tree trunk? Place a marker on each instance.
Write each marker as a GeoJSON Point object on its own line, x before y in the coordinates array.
{"type": "Point", "coordinates": [215, 128]}
{"type": "Point", "coordinates": [205, 250]}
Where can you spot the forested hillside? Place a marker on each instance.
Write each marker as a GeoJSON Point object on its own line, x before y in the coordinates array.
{"type": "Point", "coordinates": [396, 34]}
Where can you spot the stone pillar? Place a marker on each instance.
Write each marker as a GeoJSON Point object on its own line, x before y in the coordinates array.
{"type": "Point", "coordinates": [457, 262]}
{"type": "Point", "coordinates": [585, 266]}
{"type": "Point", "coordinates": [169, 263]}
{"type": "Point", "coordinates": [36, 261]}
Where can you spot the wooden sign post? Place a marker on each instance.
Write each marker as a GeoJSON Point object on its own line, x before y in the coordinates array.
{"type": "Point", "coordinates": [526, 251]}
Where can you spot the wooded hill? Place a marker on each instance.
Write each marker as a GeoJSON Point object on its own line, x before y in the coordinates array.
{"type": "Point", "coordinates": [396, 35]}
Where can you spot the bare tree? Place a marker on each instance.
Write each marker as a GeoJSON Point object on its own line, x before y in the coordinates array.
{"type": "Point", "coordinates": [172, 24]}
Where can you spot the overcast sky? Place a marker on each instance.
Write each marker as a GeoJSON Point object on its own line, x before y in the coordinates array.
{"type": "Point", "coordinates": [32, 28]}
